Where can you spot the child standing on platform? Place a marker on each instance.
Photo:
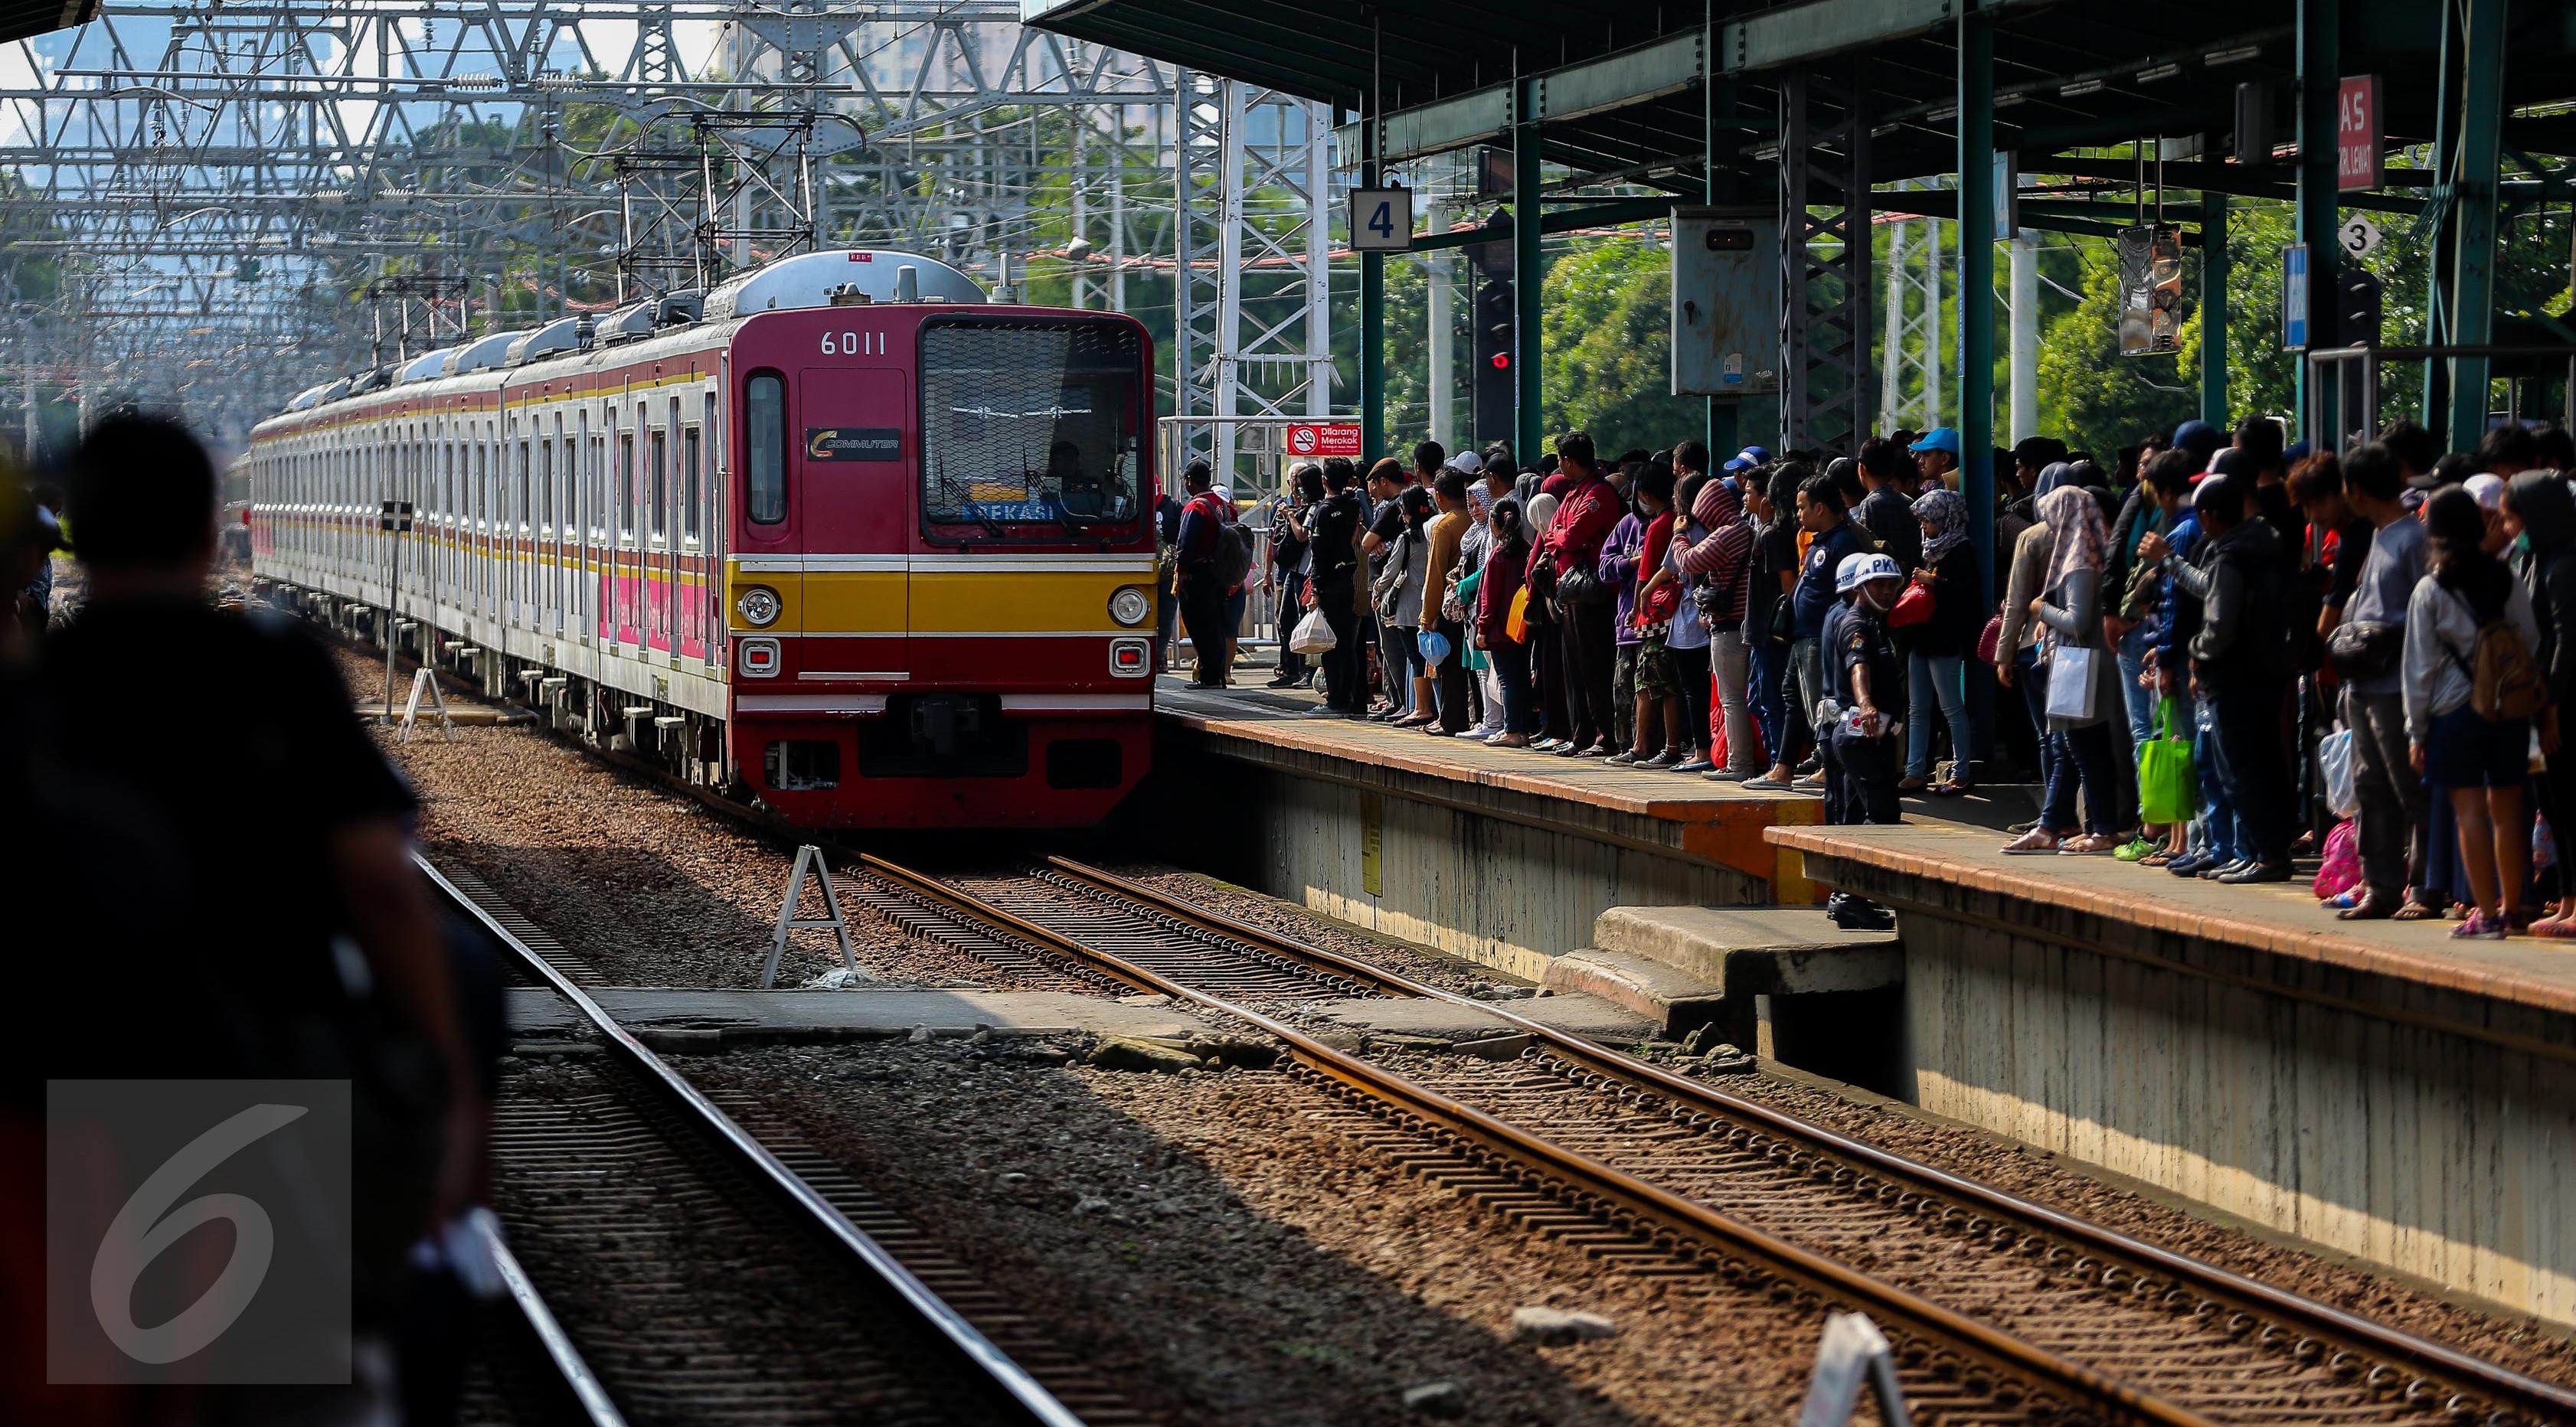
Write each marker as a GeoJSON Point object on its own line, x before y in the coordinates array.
{"type": "Point", "coordinates": [1859, 744]}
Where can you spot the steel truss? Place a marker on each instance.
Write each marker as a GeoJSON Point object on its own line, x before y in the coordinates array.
{"type": "Point", "coordinates": [1825, 278]}
{"type": "Point", "coordinates": [276, 160]}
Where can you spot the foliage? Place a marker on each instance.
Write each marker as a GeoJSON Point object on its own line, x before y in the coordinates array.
{"type": "Point", "coordinates": [1606, 327]}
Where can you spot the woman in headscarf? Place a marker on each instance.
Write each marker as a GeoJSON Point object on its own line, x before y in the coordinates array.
{"type": "Point", "coordinates": [1940, 645]}
{"type": "Point", "coordinates": [2539, 507]}
{"type": "Point", "coordinates": [1715, 553]}
{"type": "Point", "coordinates": [2069, 610]}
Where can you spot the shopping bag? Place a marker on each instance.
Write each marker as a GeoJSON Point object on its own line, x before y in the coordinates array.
{"type": "Point", "coordinates": [2334, 763]}
{"type": "Point", "coordinates": [2168, 786]}
{"type": "Point", "coordinates": [1434, 646]}
{"type": "Point", "coordinates": [1516, 619]}
{"type": "Point", "coordinates": [1314, 634]}
{"type": "Point", "coordinates": [2071, 683]}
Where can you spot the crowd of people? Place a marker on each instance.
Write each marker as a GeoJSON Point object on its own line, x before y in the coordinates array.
{"type": "Point", "coordinates": [2214, 653]}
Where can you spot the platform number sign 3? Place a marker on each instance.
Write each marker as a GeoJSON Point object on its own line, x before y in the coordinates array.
{"type": "Point", "coordinates": [1381, 220]}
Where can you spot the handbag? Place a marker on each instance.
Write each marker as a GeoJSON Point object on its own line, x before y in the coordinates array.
{"type": "Point", "coordinates": [1912, 608]}
{"type": "Point", "coordinates": [1516, 619]}
{"type": "Point", "coordinates": [2168, 786]}
{"type": "Point", "coordinates": [1991, 641]}
{"type": "Point", "coordinates": [2072, 685]}
{"type": "Point", "coordinates": [1390, 581]}
{"type": "Point", "coordinates": [1784, 620]}
{"type": "Point", "coordinates": [1314, 634]}
{"type": "Point", "coordinates": [1580, 588]}
{"type": "Point", "coordinates": [1660, 605]}
{"type": "Point", "coordinates": [2365, 651]}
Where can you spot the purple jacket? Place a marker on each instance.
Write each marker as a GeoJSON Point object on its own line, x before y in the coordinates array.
{"type": "Point", "coordinates": [1618, 570]}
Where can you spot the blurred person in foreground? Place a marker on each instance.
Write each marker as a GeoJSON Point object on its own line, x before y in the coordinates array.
{"type": "Point", "coordinates": [242, 840]}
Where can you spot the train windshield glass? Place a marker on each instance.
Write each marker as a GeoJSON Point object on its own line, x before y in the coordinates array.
{"type": "Point", "coordinates": [1031, 429]}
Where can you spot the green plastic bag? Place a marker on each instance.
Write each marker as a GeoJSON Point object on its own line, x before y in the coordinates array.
{"type": "Point", "coordinates": [2168, 787]}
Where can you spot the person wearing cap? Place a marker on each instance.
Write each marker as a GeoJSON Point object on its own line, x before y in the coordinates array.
{"type": "Point", "coordinates": [1859, 748]}
{"type": "Point", "coordinates": [1936, 456]}
{"type": "Point", "coordinates": [1750, 458]}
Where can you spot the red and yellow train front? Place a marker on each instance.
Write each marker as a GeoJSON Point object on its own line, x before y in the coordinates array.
{"type": "Point", "coordinates": [941, 591]}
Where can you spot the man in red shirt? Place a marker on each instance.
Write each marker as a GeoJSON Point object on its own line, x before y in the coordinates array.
{"type": "Point", "coordinates": [1586, 606]}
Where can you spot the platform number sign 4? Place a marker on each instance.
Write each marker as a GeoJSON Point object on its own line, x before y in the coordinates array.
{"type": "Point", "coordinates": [1381, 220]}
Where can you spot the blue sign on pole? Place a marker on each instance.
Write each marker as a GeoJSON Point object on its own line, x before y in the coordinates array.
{"type": "Point", "coordinates": [2294, 297]}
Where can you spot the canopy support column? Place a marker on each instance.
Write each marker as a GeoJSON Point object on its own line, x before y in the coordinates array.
{"type": "Point", "coordinates": [2213, 309]}
{"type": "Point", "coordinates": [2480, 76]}
{"type": "Point", "coordinates": [1528, 267]}
{"type": "Point", "coordinates": [1977, 281]}
{"type": "Point", "coordinates": [2320, 88]}
{"type": "Point", "coordinates": [1372, 305]}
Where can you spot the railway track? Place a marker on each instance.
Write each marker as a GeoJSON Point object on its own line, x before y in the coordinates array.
{"type": "Point", "coordinates": [710, 1278]}
{"type": "Point", "coordinates": [2001, 1307]}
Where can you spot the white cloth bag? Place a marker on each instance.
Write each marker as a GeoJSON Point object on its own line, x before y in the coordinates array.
{"type": "Point", "coordinates": [2072, 686]}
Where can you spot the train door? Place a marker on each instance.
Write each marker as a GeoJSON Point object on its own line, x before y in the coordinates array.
{"type": "Point", "coordinates": [856, 500]}
{"type": "Point", "coordinates": [768, 543]}
{"type": "Point", "coordinates": [655, 439]}
{"type": "Point", "coordinates": [666, 506]}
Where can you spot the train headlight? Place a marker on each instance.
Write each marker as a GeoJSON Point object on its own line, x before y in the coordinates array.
{"type": "Point", "coordinates": [1131, 606]}
{"type": "Point", "coordinates": [758, 606]}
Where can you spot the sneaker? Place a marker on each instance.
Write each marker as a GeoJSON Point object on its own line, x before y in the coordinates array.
{"type": "Point", "coordinates": [1766, 783]}
{"type": "Point", "coordinates": [2253, 872]}
{"type": "Point", "coordinates": [2479, 927]}
{"type": "Point", "coordinates": [1729, 775]}
{"type": "Point", "coordinates": [1322, 711]}
{"type": "Point", "coordinates": [1659, 762]}
{"type": "Point", "coordinates": [2216, 870]}
{"type": "Point", "coordinates": [2134, 849]}
{"type": "Point", "coordinates": [1623, 759]}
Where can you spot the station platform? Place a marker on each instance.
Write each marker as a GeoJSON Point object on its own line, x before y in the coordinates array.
{"type": "Point", "coordinates": [2377, 1088]}
{"type": "Point", "coordinates": [1502, 856]}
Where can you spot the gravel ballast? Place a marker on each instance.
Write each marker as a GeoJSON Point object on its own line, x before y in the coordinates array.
{"type": "Point", "coordinates": [1223, 1249]}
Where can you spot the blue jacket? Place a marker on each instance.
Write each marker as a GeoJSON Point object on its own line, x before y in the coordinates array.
{"type": "Point", "coordinates": [2165, 628]}
{"type": "Point", "coordinates": [1814, 595]}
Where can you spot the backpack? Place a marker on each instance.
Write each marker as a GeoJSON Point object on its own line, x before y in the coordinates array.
{"type": "Point", "coordinates": [2504, 680]}
{"type": "Point", "coordinates": [1233, 558]}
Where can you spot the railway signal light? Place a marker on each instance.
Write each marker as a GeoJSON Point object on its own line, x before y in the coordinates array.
{"type": "Point", "coordinates": [1496, 395]}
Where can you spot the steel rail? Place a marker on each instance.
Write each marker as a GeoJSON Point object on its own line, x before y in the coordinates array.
{"type": "Point", "coordinates": [2544, 1400]}
{"type": "Point", "coordinates": [1023, 1397]}
{"type": "Point", "coordinates": [1657, 1208]}
{"type": "Point", "coordinates": [579, 1381]}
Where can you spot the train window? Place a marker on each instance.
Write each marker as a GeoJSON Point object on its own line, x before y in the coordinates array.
{"type": "Point", "coordinates": [626, 485]}
{"type": "Point", "coordinates": [546, 485]}
{"type": "Point", "coordinates": [764, 413]}
{"type": "Point", "coordinates": [692, 486]}
{"type": "Point", "coordinates": [1032, 428]}
{"type": "Point", "coordinates": [527, 507]}
{"type": "Point", "coordinates": [661, 488]}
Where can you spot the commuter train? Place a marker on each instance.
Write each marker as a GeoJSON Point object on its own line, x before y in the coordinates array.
{"type": "Point", "coordinates": [840, 535]}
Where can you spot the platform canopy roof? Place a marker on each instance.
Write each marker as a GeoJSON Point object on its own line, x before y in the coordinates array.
{"type": "Point", "coordinates": [1626, 90]}
{"type": "Point", "coordinates": [24, 19]}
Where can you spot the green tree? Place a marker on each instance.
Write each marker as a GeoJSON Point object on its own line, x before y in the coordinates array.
{"type": "Point", "coordinates": [1606, 327]}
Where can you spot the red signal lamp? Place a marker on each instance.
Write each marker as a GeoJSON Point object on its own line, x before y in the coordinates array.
{"type": "Point", "coordinates": [1502, 361]}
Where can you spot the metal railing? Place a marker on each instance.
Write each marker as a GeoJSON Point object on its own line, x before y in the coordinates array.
{"type": "Point", "coordinates": [2351, 375]}
{"type": "Point", "coordinates": [1260, 476]}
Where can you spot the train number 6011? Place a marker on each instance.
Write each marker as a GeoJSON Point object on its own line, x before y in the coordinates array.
{"type": "Point", "coordinates": [853, 344]}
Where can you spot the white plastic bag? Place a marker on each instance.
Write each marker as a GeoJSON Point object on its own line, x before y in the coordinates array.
{"type": "Point", "coordinates": [1314, 635]}
{"type": "Point", "coordinates": [2071, 683]}
{"type": "Point", "coordinates": [2334, 761]}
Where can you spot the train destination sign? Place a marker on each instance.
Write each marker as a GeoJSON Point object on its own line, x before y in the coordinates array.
{"type": "Point", "coordinates": [853, 443]}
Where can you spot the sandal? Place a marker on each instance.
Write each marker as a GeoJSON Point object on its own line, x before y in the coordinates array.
{"type": "Point", "coordinates": [1951, 789]}
{"type": "Point", "coordinates": [2091, 844]}
{"type": "Point", "coordinates": [2159, 857]}
{"type": "Point", "coordinates": [2560, 928]}
{"type": "Point", "coordinates": [2032, 843]}
{"type": "Point", "coordinates": [2416, 912]}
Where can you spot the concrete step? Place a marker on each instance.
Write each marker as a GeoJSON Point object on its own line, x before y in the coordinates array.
{"type": "Point", "coordinates": [1754, 951]}
{"type": "Point", "coordinates": [1676, 1001]}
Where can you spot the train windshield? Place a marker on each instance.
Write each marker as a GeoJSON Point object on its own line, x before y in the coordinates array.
{"type": "Point", "coordinates": [1033, 428]}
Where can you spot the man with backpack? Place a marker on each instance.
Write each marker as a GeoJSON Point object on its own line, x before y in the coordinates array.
{"type": "Point", "coordinates": [1213, 559]}
{"type": "Point", "coordinates": [2240, 659]}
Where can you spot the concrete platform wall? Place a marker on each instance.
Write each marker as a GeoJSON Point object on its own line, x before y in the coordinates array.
{"type": "Point", "coordinates": [1503, 893]}
{"type": "Point", "coordinates": [2438, 1154]}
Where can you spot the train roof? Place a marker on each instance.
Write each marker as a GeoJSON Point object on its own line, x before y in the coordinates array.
{"type": "Point", "coordinates": [813, 279]}
{"type": "Point", "coordinates": [482, 352]}
{"type": "Point", "coordinates": [428, 366]}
